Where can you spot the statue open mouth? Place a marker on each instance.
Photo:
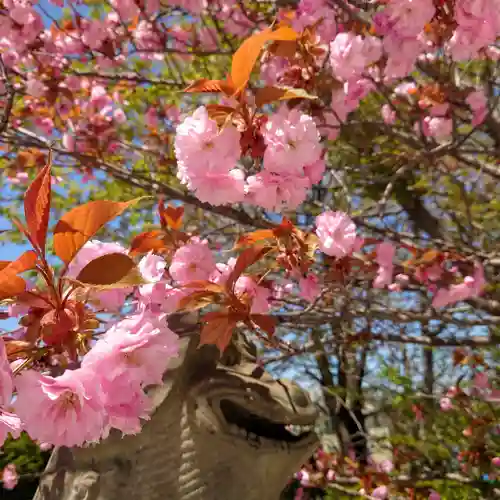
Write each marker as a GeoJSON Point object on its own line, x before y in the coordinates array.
{"type": "Point", "coordinates": [257, 428]}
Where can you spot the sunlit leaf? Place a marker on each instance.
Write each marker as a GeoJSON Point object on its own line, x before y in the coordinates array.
{"type": "Point", "coordinates": [267, 95]}
{"type": "Point", "coordinates": [37, 206]}
{"type": "Point", "coordinates": [116, 269]}
{"type": "Point", "coordinates": [81, 223]}
{"type": "Point", "coordinates": [246, 56]}
{"type": "Point", "coordinates": [147, 241]}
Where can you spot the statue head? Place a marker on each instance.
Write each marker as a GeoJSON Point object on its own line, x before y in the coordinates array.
{"type": "Point", "coordinates": [220, 423]}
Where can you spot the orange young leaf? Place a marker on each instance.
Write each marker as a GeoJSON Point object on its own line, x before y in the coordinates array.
{"type": "Point", "coordinates": [10, 285]}
{"type": "Point", "coordinates": [23, 263]}
{"type": "Point", "coordinates": [37, 206]}
{"type": "Point", "coordinates": [265, 322]}
{"type": "Point", "coordinates": [171, 216]}
{"type": "Point", "coordinates": [246, 258]}
{"type": "Point", "coordinates": [286, 49]}
{"type": "Point", "coordinates": [81, 223]}
{"type": "Point", "coordinates": [285, 228]}
{"type": "Point", "coordinates": [205, 85]}
{"type": "Point", "coordinates": [218, 329]}
{"type": "Point", "coordinates": [256, 237]}
{"type": "Point", "coordinates": [429, 257]}
{"type": "Point", "coordinates": [246, 56]}
{"type": "Point", "coordinates": [147, 241]}
{"type": "Point", "coordinates": [266, 95]}
{"type": "Point", "coordinates": [110, 269]}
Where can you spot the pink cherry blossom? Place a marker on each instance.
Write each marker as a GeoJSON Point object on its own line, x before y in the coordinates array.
{"type": "Point", "coordinates": [472, 286]}
{"type": "Point", "coordinates": [9, 422]}
{"type": "Point", "coordinates": [9, 477]}
{"type": "Point", "coordinates": [384, 258]}
{"type": "Point", "coordinates": [125, 403]}
{"type": "Point", "coordinates": [388, 114]}
{"type": "Point", "coordinates": [406, 18]}
{"type": "Point", "coordinates": [350, 54]}
{"type": "Point", "coordinates": [446, 404]}
{"type": "Point", "coordinates": [219, 188]}
{"type": "Point", "coordinates": [199, 141]}
{"type": "Point", "coordinates": [192, 262]}
{"type": "Point", "coordinates": [111, 300]}
{"type": "Point", "coordinates": [152, 267]}
{"type": "Point", "coordinates": [386, 466]}
{"type": "Point", "coordinates": [259, 295]}
{"type": "Point", "coordinates": [140, 345]}
{"type": "Point", "coordinates": [478, 24]}
{"type": "Point", "coordinates": [35, 87]}
{"type": "Point", "coordinates": [157, 295]}
{"type": "Point", "coordinates": [72, 404]}
{"type": "Point", "coordinates": [438, 127]}
{"type": "Point", "coordinates": [276, 192]}
{"type": "Point", "coordinates": [434, 495]}
{"type": "Point", "coordinates": [380, 492]}
{"type": "Point", "coordinates": [315, 171]}
{"type": "Point", "coordinates": [309, 287]}
{"type": "Point", "coordinates": [479, 106]}
{"type": "Point", "coordinates": [495, 461]}
{"type": "Point", "coordinates": [402, 54]}
{"type": "Point", "coordinates": [336, 233]}
{"type": "Point", "coordinates": [310, 12]}
{"type": "Point", "coordinates": [292, 140]}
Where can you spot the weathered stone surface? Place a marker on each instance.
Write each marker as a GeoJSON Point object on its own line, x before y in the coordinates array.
{"type": "Point", "coordinates": [217, 433]}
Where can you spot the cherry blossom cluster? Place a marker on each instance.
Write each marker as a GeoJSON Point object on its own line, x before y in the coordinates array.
{"type": "Point", "coordinates": [449, 282]}
{"type": "Point", "coordinates": [208, 160]}
{"type": "Point", "coordinates": [324, 467]}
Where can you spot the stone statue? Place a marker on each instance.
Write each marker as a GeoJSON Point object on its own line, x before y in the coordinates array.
{"type": "Point", "coordinates": [218, 432]}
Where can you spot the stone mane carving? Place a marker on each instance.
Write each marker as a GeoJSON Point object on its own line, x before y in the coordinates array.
{"type": "Point", "coordinates": [217, 433]}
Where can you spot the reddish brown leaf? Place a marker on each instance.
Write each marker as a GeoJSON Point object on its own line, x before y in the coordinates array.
{"type": "Point", "coordinates": [267, 95]}
{"type": "Point", "coordinates": [37, 206]}
{"type": "Point", "coordinates": [265, 322]}
{"type": "Point", "coordinates": [205, 85]}
{"type": "Point", "coordinates": [146, 242]}
{"type": "Point", "coordinates": [111, 269]}
{"type": "Point", "coordinates": [4, 264]}
{"type": "Point", "coordinates": [219, 113]}
{"type": "Point", "coordinates": [81, 223]}
{"type": "Point", "coordinates": [218, 329]}
{"type": "Point", "coordinates": [57, 326]}
{"type": "Point", "coordinates": [197, 300]}
{"type": "Point", "coordinates": [246, 258]}
{"type": "Point", "coordinates": [17, 348]}
{"type": "Point", "coordinates": [247, 54]}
